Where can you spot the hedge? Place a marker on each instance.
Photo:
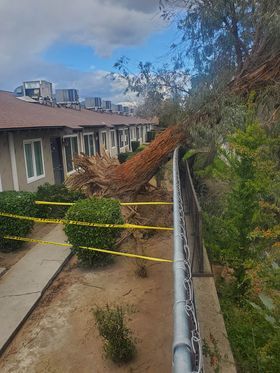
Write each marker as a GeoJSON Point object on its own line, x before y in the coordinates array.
{"type": "Point", "coordinates": [135, 145]}
{"type": "Point", "coordinates": [55, 193]}
{"type": "Point", "coordinates": [123, 157]}
{"type": "Point", "coordinates": [21, 203]}
{"type": "Point", "coordinates": [96, 210]}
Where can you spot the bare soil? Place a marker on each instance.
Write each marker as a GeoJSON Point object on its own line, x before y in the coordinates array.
{"type": "Point", "coordinates": [61, 335]}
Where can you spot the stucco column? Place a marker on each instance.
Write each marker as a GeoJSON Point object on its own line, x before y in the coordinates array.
{"type": "Point", "coordinates": [13, 160]}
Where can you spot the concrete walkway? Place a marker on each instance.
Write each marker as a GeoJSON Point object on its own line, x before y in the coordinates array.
{"type": "Point", "coordinates": [23, 285]}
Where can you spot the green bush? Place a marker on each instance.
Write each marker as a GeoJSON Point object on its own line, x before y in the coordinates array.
{"type": "Point", "coordinates": [135, 145]}
{"type": "Point", "coordinates": [151, 135]}
{"type": "Point", "coordinates": [119, 344]}
{"type": "Point", "coordinates": [55, 193]}
{"type": "Point", "coordinates": [123, 157]}
{"type": "Point", "coordinates": [21, 203]}
{"type": "Point", "coordinates": [95, 210]}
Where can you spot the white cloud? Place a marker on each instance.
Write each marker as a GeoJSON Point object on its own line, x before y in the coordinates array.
{"type": "Point", "coordinates": [29, 27]}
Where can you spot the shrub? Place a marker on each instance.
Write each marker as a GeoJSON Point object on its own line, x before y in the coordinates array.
{"type": "Point", "coordinates": [21, 203]}
{"type": "Point", "coordinates": [151, 135]}
{"type": "Point", "coordinates": [119, 344]}
{"type": "Point", "coordinates": [95, 210]}
{"type": "Point", "coordinates": [135, 145]}
{"type": "Point", "coordinates": [123, 157]}
{"type": "Point", "coordinates": [55, 193]}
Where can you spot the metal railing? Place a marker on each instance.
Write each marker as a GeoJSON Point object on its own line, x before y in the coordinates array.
{"type": "Point", "coordinates": [193, 209]}
{"type": "Point", "coordinates": [187, 353]}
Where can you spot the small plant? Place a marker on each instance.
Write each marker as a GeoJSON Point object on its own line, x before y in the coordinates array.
{"type": "Point", "coordinates": [93, 210]}
{"type": "Point", "coordinates": [119, 344]}
{"type": "Point", "coordinates": [135, 145]}
{"type": "Point", "coordinates": [151, 135]}
{"type": "Point", "coordinates": [55, 193]}
{"type": "Point", "coordinates": [141, 268]}
{"type": "Point", "coordinates": [21, 203]}
{"type": "Point", "coordinates": [123, 157]}
{"type": "Point", "coordinates": [213, 353]}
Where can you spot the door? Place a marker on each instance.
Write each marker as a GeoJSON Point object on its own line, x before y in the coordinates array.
{"type": "Point", "coordinates": [97, 145]}
{"type": "Point", "coordinates": [57, 161]}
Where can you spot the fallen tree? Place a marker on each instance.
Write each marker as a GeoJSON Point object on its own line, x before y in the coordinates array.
{"type": "Point", "coordinates": [103, 175]}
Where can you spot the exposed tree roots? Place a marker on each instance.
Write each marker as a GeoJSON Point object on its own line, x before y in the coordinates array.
{"type": "Point", "coordinates": [103, 175]}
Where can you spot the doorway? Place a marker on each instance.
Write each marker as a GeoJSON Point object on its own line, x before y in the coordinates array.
{"type": "Point", "coordinates": [57, 160]}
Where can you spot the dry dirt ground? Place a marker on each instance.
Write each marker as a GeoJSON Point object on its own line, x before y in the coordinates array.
{"type": "Point", "coordinates": [60, 336]}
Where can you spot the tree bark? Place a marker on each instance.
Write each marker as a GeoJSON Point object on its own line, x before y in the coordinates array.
{"type": "Point", "coordinates": [102, 175]}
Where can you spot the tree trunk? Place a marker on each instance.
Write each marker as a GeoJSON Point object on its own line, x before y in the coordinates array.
{"type": "Point", "coordinates": [102, 175]}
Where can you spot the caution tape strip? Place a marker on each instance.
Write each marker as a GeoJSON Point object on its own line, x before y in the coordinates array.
{"type": "Point", "coordinates": [84, 223]}
{"type": "Point", "coordinates": [122, 203]}
{"type": "Point", "coordinates": [129, 255]}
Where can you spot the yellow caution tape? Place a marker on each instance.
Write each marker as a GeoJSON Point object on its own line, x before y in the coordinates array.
{"type": "Point", "coordinates": [54, 203]}
{"type": "Point", "coordinates": [122, 203]}
{"type": "Point", "coordinates": [84, 223]}
{"type": "Point", "coordinates": [129, 255]}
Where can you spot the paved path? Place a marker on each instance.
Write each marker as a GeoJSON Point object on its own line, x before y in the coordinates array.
{"type": "Point", "coordinates": [22, 286]}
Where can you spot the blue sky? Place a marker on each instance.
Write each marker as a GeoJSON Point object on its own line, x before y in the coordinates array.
{"type": "Point", "coordinates": [80, 57]}
{"type": "Point", "coordinates": [76, 45]}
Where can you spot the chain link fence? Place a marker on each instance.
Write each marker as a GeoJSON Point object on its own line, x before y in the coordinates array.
{"type": "Point", "coordinates": [187, 350]}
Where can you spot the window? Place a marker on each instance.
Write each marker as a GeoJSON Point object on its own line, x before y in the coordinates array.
{"type": "Point", "coordinates": [104, 139]}
{"type": "Point", "coordinates": [126, 137]}
{"type": "Point", "coordinates": [34, 163]}
{"type": "Point", "coordinates": [137, 133]}
{"type": "Point", "coordinates": [89, 144]}
{"type": "Point", "coordinates": [71, 149]}
{"type": "Point", "coordinates": [113, 139]}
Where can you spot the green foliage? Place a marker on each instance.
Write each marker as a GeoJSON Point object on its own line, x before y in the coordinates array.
{"type": "Point", "coordinates": [151, 135]}
{"type": "Point", "coordinates": [21, 203]}
{"type": "Point", "coordinates": [250, 174]}
{"type": "Point", "coordinates": [135, 145]}
{"type": "Point", "coordinates": [55, 193]}
{"type": "Point", "coordinates": [119, 344]}
{"type": "Point", "coordinates": [123, 157]}
{"type": "Point", "coordinates": [253, 339]}
{"type": "Point", "coordinates": [241, 230]}
{"type": "Point", "coordinates": [219, 35]}
{"type": "Point", "coordinates": [94, 210]}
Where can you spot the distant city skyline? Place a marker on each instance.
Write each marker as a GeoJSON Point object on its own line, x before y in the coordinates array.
{"type": "Point", "coordinates": [76, 47]}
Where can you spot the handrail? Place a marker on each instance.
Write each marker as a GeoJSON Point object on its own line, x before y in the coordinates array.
{"type": "Point", "coordinates": [187, 355]}
{"type": "Point", "coordinates": [193, 209]}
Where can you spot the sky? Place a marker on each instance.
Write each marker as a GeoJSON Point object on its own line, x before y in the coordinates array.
{"type": "Point", "coordinates": [75, 44]}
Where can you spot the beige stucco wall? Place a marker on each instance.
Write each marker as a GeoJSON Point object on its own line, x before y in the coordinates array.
{"type": "Point", "coordinates": [45, 135]}
{"type": "Point", "coordinates": [19, 137]}
{"type": "Point", "coordinates": [5, 163]}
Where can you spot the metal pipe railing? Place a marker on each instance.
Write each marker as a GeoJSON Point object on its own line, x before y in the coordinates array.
{"type": "Point", "coordinates": [181, 342]}
{"type": "Point", "coordinates": [187, 355]}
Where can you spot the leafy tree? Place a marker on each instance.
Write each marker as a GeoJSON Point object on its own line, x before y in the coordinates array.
{"type": "Point", "coordinates": [220, 35]}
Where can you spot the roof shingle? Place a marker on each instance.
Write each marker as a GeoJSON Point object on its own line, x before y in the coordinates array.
{"type": "Point", "coordinates": [17, 114]}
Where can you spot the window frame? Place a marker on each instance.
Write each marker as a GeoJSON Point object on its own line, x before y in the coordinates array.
{"type": "Point", "coordinates": [114, 133]}
{"type": "Point", "coordinates": [126, 137]}
{"type": "Point", "coordinates": [64, 151]}
{"type": "Point", "coordinates": [106, 143]}
{"type": "Point", "coordinates": [35, 177]}
{"type": "Point", "coordinates": [121, 139]}
{"type": "Point", "coordinates": [93, 141]}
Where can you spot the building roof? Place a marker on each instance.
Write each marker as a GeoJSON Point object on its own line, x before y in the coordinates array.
{"type": "Point", "coordinates": [18, 114]}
